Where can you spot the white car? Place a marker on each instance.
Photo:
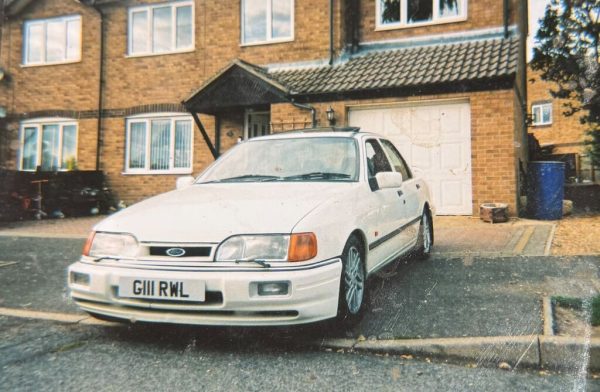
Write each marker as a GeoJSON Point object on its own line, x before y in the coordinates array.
{"type": "Point", "coordinates": [282, 229]}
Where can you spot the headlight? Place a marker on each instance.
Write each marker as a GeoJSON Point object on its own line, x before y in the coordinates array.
{"type": "Point", "coordinates": [110, 244]}
{"type": "Point", "coordinates": [279, 247]}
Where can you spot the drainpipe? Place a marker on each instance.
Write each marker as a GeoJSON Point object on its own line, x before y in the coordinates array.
{"type": "Point", "coordinates": [100, 87]}
{"type": "Point", "coordinates": [352, 12]}
{"type": "Point", "coordinates": [313, 112]}
{"type": "Point", "coordinates": [506, 10]}
{"type": "Point", "coordinates": [2, 23]}
{"type": "Point", "coordinates": [331, 52]}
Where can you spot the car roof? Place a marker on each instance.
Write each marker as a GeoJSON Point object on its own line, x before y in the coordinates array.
{"type": "Point", "coordinates": [341, 132]}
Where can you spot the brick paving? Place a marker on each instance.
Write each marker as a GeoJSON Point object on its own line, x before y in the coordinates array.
{"type": "Point", "coordinates": [465, 235]}
{"type": "Point", "coordinates": [577, 235]}
{"type": "Point", "coordinates": [574, 235]}
{"type": "Point", "coordinates": [53, 228]}
{"type": "Point", "coordinates": [456, 235]}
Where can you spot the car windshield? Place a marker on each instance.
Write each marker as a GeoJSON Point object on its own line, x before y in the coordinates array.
{"type": "Point", "coordinates": [289, 159]}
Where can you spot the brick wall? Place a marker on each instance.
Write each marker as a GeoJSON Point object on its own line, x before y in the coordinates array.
{"type": "Point", "coordinates": [134, 84]}
{"type": "Point", "coordinates": [72, 86]}
{"type": "Point", "coordinates": [135, 81]}
{"type": "Point", "coordinates": [59, 90]}
{"type": "Point", "coordinates": [567, 133]}
{"type": "Point", "coordinates": [480, 15]}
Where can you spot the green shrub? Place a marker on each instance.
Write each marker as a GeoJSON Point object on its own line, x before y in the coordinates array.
{"type": "Point", "coordinates": [596, 311]}
{"type": "Point", "coordinates": [568, 302]}
{"type": "Point", "coordinates": [577, 304]}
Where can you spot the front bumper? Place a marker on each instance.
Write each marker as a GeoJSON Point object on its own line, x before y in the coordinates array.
{"type": "Point", "coordinates": [230, 297]}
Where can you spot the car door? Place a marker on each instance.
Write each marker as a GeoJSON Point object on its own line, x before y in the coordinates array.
{"type": "Point", "coordinates": [410, 192]}
{"type": "Point", "coordinates": [384, 239]}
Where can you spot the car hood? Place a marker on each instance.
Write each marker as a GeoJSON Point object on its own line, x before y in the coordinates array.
{"type": "Point", "coordinates": [213, 212]}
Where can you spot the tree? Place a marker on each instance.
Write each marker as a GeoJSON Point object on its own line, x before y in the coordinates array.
{"type": "Point", "coordinates": [567, 53]}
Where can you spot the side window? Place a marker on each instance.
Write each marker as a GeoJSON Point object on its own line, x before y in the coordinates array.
{"type": "Point", "coordinates": [50, 144]}
{"type": "Point", "coordinates": [376, 159]}
{"type": "Point", "coordinates": [161, 28]}
{"type": "Point", "coordinates": [266, 21]}
{"type": "Point", "coordinates": [52, 41]}
{"type": "Point", "coordinates": [396, 159]}
{"type": "Point", "coordinates": [407, 13]}
{"type": "Point", "coordinates": [542, 113]}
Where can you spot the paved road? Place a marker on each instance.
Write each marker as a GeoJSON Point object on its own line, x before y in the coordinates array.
{"type": "Point", "coordinates": [43, 356]}
{"type": "Point", "coordinates": [438, 297]}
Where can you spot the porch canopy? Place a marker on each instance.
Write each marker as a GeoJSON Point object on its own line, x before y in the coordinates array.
{"type": "Point", "coordinates": [240, 84]}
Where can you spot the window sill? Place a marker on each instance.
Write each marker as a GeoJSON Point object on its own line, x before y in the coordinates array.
{"type": "Point", "coordinates": [50, 64]}
{"type": "Point", "coordinates": [271, 42]}
{"type": "Point", "coordinates": [156, 172]}
{"type": "Point", "coordinates": [542, 125]}
{"type": "Point", "coordinates": [47, 171]}
{"type": "Point", "coordinates": [398, 26]}
{"type": "Point", "coordinates": [128, 56]}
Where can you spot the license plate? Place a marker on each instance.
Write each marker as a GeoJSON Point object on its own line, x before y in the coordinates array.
{"type": "Point", "coordinates": [166, 289]}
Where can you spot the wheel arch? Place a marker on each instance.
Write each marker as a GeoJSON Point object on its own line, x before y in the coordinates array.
{"type": "Point", "coordinates": [358, 233]}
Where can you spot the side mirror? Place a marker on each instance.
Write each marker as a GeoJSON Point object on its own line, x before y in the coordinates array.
{"type": "Point", "coordinates": [388, 180]}
{"type": "Point", "coordinates": [184, 182]}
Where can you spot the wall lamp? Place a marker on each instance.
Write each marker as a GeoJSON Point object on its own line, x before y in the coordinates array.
{"type": "Point", "coordinates": [330, 116]}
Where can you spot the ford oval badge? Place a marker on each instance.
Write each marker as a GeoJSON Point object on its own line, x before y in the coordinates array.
{"type": "Point", "coordinates": [175, 252]}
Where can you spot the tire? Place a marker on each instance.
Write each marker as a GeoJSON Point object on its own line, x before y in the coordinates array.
{"type": "Point", "coordinates": [425, 236]}
{"type": "Point", "coordinates": [353, 287]}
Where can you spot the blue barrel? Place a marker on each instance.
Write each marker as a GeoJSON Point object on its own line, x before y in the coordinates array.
{"type": "Point", "coordinates": [546, 189]}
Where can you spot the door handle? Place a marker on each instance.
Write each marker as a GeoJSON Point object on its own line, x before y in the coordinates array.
{"type": "Point", "coordinates": [400, 193]}
{"type": "Point", "coordinates": [418, 186]}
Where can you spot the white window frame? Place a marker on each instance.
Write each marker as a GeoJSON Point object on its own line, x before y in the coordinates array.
{"type": "Point", "coordinates": [149, 12]}
{"type": "Point", "coordinates": [540, 106]}
{"type": "Point", "coordinates": [404, 24]}
{"type": "Point", "coordinates": [270, 39]}
{"type": "Point", "coordinates": [39, 124]}
{"type": "Point", "coordinates": [147, 119]}
{"type": "Point", "coordinates": [44, 23]}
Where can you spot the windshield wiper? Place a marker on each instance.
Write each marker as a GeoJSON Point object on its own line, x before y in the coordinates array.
{"type": "Point", "coordinates": [249, 177]}
{"type": "Point", "coordinates": [260, 262]}
{"type": "Point", "coordinates": [318, 175]}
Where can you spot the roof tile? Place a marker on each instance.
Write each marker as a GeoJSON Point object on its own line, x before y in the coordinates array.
{"type": "Point", "coordinates": [413, 66]}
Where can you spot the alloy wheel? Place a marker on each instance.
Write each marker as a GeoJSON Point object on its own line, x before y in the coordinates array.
{"type": "Point", "coordinates": [354, 280]}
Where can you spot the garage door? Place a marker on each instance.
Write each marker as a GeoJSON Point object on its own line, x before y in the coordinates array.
{"type": "Point", "coordinates": [436, 142]}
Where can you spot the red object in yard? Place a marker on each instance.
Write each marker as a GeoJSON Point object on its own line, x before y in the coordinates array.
{"type": "Point", "coordinates": [493, 212]}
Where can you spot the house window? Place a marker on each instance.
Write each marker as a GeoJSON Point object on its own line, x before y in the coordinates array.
{"type": "Point", "coordinates": [408, 13]}
{"type": "Point", "coordinates": [162, 28]}
{"type": "Point", "coordinates": [52, 145]}
{"type": "Point", "coordinates": [52, 41]}
{"type": "Point", "coordinates": [542, 114]}
{"type": "Point", "coordinates": [161, 144]}
{"type": "Point", "coordinates": [265, 21]}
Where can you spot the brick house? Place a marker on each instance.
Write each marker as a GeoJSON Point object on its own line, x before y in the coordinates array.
{"type": "Point", "coordinates": [562, 137]}
{"type": "Point", "coordinates": [149, 90]}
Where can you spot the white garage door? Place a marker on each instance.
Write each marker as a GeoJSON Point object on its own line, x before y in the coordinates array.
{"type": "Point", "coordinates": [436, 142]}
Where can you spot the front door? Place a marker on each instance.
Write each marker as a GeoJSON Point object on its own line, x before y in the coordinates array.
{"type": "Point", "coordinates": [385, 242]}
{"type": "Point", "coordinates": [257, 124]}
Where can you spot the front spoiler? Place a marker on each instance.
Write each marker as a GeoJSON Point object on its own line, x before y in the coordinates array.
{"type": "Point", "coordinates": [313, 295]}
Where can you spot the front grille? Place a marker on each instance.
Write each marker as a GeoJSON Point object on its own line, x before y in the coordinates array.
{"type": "Point", "coordinates": [190, 251]}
